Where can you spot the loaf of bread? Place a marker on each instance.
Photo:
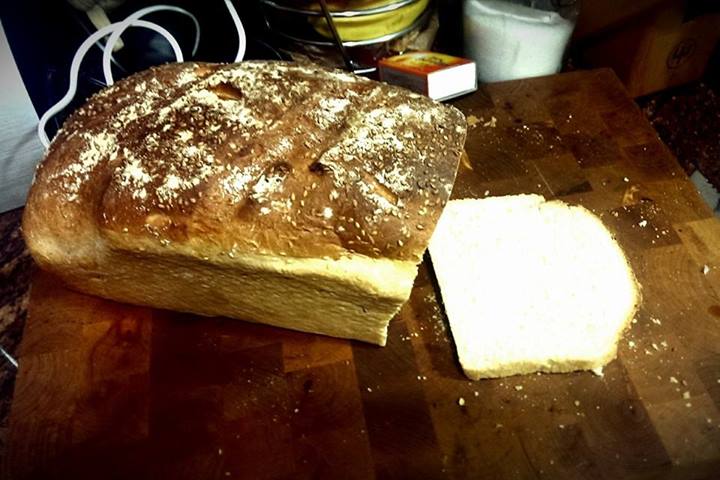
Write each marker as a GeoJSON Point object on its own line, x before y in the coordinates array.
{"type": "Point", "coordinates": [289, 195]}
{"type": "Point", "coordinates": [530, 285]}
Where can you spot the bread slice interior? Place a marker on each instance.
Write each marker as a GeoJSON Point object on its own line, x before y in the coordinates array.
{"type": "Point", "coordinates": [531, 285]}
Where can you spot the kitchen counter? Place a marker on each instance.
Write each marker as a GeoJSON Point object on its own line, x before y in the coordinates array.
{"type": "Point", "coordinates": [16, 268]}
{"type": "Point", "coordinates": [106, 390]}
{"type": "Point", "coordinates": [15, 272]}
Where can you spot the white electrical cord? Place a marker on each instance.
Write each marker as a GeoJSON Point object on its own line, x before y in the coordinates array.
{"type": "Point", "coordinates": [242, 41]}
{"type": "Point", "coordinates": [122, 26]}
{"type": "Point", "coordinates": [9, 357]}
{"type": "Point", "coordinates": [115, 30]}
{"type": "Point", "coordinates": [77, 60]}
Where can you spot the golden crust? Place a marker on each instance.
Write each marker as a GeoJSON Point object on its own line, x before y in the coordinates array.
{"type": "Point", "coordinates": [265, 158]}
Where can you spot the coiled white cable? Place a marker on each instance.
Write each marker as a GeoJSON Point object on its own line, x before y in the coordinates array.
{"type": "Point", "coordinates": [123, 25]}
{"type": "Point", "coordinates": [77, 60]}
{"type": "Point", "coordinates": [242, 40]}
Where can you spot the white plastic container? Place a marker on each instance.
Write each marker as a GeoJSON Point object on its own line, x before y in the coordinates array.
{"type": "Point", "coordinates": [510, 40]}
{"type": "Point", "coordinates": [20, 149]}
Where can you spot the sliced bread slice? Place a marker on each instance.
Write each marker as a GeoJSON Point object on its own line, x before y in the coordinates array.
{"type": "Point", "coordinates": [531, 285]}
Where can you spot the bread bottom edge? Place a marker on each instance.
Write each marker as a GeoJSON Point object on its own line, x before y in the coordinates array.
{"type": "Point", "coordinates": [302, 296]}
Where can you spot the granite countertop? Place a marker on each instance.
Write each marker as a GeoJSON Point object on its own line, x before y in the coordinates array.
{"type": "Point", "coordinates": [16, 268]}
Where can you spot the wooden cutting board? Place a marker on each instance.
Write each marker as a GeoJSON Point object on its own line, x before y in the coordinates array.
{"type": "Point", "coordinates": [108, 391]}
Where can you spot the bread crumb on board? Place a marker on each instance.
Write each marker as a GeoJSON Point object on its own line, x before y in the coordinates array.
{"type": "Point", "coordinates": [465, 161]}
{"type": "Point", "coordinates": [461, 401]}
{"type": "Point", "coordinates": [473, 121]}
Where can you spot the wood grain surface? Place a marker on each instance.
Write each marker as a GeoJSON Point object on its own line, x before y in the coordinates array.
{"type": "Point", "coordinates": [111, 391]}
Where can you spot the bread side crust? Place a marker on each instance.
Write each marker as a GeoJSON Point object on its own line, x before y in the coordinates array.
{"type": "Point", "coordinates": [336, 297]}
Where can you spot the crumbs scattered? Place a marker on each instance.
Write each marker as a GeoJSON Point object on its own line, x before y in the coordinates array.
{"type": "Point", "coordinates": [705, 270]}
{"type": "Point", "coordinates": [518, 388]}
{"type": "Point", "coordinates": [473, 121]}
{"type": "Point", "coordinates": [461, 401]}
